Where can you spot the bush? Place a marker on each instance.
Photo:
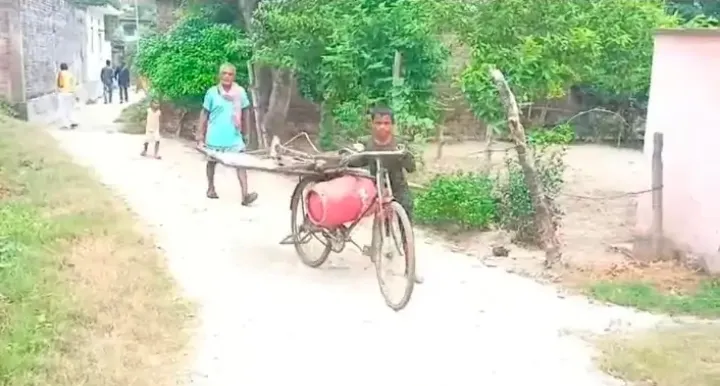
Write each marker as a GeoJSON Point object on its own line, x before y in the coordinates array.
{"type": "Point", "coordinates": [476, 201]}
{"type": "Point", "coordinates": [466, 200]}
{"type": "Point", "coordinates": [7, 109]}
{"type": "Point", "coordinates": [515, 209]}
{"type": "Point", "coordinates": [182, 64]}
{"type": "Point", "coordinates": [133, 117]}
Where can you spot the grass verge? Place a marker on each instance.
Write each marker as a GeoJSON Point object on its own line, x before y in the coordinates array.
{"type": "Point", "coordinates": [703, 301]}
{"type": "Point", "coordinates": [679, 356]}
{"type": "Point", "coordinates": [685, 355]}
{"type": "Point", "coordinates": [85, 299]}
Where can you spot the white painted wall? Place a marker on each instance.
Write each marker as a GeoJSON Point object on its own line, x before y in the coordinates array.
{"type": "Point", "coordinates": [97, 49]}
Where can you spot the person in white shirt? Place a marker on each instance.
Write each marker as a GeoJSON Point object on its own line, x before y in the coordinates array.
{"type": "Point", "coordinates": [152, 129]}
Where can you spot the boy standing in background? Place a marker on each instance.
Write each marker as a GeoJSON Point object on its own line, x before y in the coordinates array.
{"type": "Point", "coordinates": [152, 129]}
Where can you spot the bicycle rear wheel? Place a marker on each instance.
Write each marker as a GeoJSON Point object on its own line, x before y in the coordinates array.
{"type": "Point", "coordinates": [300, 232]}
{"type": "Point", "coordinates": [395, 212]}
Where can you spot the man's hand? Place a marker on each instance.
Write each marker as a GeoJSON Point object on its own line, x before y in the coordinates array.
{"type": "Point", "coordinates": [199, 138]}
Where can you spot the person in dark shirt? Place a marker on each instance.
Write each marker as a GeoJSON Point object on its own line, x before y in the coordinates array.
{"type": "Point", "coordinates": [106, 77]}
{"type": "Point", "coordinates": [123, 79]}
{"type": "Point", "coordinates": [383, 139]}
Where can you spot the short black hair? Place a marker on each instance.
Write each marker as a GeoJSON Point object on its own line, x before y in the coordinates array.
{"type": "Point", "coordinates": [107, 62]}
{"type": "Point", "coordinates": [63, 66]}
{"type": "Point", "coordinates": [382, 111]}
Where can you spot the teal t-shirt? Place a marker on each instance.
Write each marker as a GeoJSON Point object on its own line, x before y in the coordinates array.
{"type": "Point", "coordinates": [221, 131]}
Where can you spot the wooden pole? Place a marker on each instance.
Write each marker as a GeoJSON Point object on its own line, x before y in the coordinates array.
{"type": "Point", "coordinates": [543, 215]}
{"type": "Point", "coordinates": [657, 197]}
{"type": "Point", "coordinates": [259, 129]}
{"type": "Point", "coordinates": [397, 69]}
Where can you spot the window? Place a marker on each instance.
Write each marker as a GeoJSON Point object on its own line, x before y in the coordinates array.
{"type": "Point", "coordinates": [129, 29]}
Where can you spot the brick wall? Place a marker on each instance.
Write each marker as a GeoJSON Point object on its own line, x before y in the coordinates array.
{"type": "Point", "coordinates": [53, 33]}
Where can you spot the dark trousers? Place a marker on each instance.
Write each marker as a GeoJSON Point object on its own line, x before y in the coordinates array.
{"type": "Point", "coordinates": [107, 92]}
{"type": "Point", "coordinates": [123, 93]}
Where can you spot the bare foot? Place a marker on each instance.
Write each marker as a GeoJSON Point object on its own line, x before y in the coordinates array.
{"type": "Point", "coordinates": [211, 194]}
{"type": "Point", "coordinates": [157, 156]}
{"type": "Point", "coordinates": [143, 154]}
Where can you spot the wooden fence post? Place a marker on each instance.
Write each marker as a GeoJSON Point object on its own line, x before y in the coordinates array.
{"type": "Point", "coordinates": [657, 236]}
{"type": "Point", "coordinates": [543, 214]}
{"type": "Point", "coordinates": [259, 129]}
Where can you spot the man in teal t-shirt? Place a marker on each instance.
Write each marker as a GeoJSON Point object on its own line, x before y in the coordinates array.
{"type": "Point", "coordinates": [220, 127]}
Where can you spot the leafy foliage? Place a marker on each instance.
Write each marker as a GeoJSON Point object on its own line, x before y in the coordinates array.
{"type": "Point", "coordinates": [466, 200]}
{"type": "Point", "coordinates": [183, 63]}
{"type": "Point", "coordinates": [689, 10]}
{"type": "Point", "coordinates": [477, 201]}
{"type": "Point", "coordinates": [342, 53]}
{"type": "Point", "coordinates": [544, 47]}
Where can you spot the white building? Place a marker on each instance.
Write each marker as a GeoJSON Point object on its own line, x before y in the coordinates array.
{"type": "Point", "coordinates": [98, 49]}
{"type": "Point", "coordinates": [40, 35]}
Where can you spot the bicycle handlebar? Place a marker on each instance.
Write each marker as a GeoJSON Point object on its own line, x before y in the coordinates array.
{"type": "Point", "coordinates": [372, 154]}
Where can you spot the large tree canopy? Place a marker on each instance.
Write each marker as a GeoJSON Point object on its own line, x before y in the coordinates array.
{"type": "Point", "coordinates": [342, 53]}
{"type": "Point", "coordinates": [545, 47]}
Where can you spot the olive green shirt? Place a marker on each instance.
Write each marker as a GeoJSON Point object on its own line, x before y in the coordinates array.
{"type": "Point", "coordinates": [395, 167]}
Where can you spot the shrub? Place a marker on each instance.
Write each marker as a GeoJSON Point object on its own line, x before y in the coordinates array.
{"type": "Point", "coordinates": [515, 209]}
{"type": "Point", "coordinates": [466, 200]}
{"type": "Point", "coordinates": [7, 109]}
{"type": "Point", "coordinates": [182, 64]}
{"type": "Point", "coordinates": [133, 117]}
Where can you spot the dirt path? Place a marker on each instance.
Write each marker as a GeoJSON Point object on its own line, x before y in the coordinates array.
{"type": "Point", "coordinates": [265, 319]}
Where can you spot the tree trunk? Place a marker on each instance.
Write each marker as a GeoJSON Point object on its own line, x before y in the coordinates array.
{"type": "Point", "coordinates": [275, 117]}
{"type": "Point", "coordinates": [166, 14]}
{"type": "Point", "coordinates": [263, 75]}
{"type": "Point", "coordinates": [543, 215]}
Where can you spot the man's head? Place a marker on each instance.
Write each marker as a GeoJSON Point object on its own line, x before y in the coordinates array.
{"type": "Point", "coordinates": [63, 66]}
{"type": "Point", "coordinates": [107, 63]}
{"type": "Point", "coordinates": [154, 104]}
{"type": "Point", "coordinates": [382, 122]}
{"type": "Point", "coordinates": [227, 74]}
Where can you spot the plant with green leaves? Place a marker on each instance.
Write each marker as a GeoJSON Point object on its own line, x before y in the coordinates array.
{"type": "Point", "coordinates": [183, 63]}
{"type": "Point", "coordinates": [544, 47]}
{"type": "Point", "coordinates": [465, 199]}
{"type": "Point", "coordinates": [342, 54]}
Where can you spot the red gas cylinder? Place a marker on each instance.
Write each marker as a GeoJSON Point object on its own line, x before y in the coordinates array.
{"type": "Point", "coordinates": [339, 201]}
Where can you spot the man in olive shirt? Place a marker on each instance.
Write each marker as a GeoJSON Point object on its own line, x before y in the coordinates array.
{"type": "Point", "coordinates": [383, 139]}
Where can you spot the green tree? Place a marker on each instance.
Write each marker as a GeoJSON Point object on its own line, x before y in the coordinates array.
{"type": "Point", "coordinates": [182, 63]}
{"type": "Point", "coordinates": [544, 47]}
{"type": "Point", "coordinates": [342, 53]}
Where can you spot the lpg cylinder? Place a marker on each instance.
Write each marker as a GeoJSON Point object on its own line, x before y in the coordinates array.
{"type": "Point", "coordinates": [340, 200]}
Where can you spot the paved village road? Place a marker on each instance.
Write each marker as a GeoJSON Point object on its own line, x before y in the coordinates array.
{"type": "Point", "coordinates": [268, 320]}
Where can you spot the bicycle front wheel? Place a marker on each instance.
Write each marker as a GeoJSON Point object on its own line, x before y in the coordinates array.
{"type": "Point", "coordinates": [401, 244]}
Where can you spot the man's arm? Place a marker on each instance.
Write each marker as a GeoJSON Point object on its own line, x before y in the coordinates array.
{"type": "Point", "coordinates": [202, 126]}
{"type": "Point", "coordinates": [362, 161]}
{"type": "Point", "coordinates": [408, 162]}
{"type": "Point", "coordinates": [204, 115]}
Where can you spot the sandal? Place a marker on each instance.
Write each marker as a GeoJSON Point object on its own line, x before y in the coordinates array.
{"type": "Point", "coordinates": [211, 194]}
{"type": "Point", "coordinates": [249, 199]}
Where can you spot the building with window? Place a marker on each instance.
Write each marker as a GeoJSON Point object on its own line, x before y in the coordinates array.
{"type": "Point", "coordinates": [35, 37]}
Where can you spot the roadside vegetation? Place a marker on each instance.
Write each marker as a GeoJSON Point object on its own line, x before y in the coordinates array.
{"type": "Point", "coordinates": [343, 56]}
{"type": "Point", "coordinates": [85, 299]}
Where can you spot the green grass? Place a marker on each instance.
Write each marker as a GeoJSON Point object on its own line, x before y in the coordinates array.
{"type": "Point", "coordinates": [704, 302]}
{"type": "Point", "coordinates": [687, 355]}
{"type": "Point", "coordinates": [34, 308]}
{"type": "Point", "coordinates": [84, 298]}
